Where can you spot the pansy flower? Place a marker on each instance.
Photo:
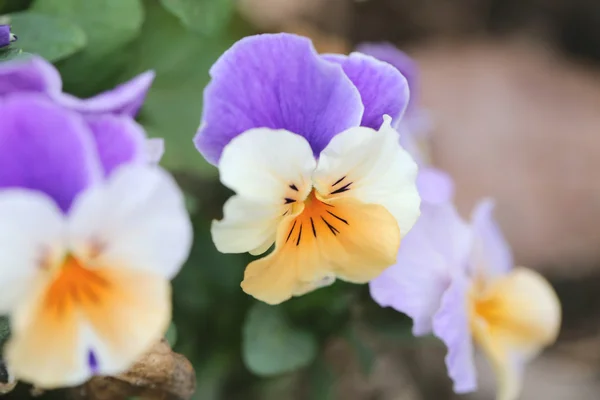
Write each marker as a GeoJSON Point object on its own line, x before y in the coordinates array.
{"type": "Point", "coordinates": [6, 37]}
{"type": "Point", "coordinates": [306, 143]}
{"type": "Point", "coordinates": [457, 281]}
{"type": "Point", "coordinates": [109, 115]}
{"type": "Point", "coordinates": [88, 242]}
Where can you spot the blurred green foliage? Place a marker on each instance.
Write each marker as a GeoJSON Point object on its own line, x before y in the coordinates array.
{"type": "Point", "coordinates": [240, 348]}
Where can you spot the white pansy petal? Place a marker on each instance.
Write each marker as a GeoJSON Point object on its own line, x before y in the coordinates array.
{"type": "Point", "coordinates": [137, 219]}
{"type": "Point", "coordinates": [371, 167]}
{"type": "Point", "coordinates": [31, 235]}
{"type": "Point", "coordinates": [248, 226]}
{"type": "Point", "coordinates": [87, 322]}
{"type": "Point", "coordinates": [262, 164]}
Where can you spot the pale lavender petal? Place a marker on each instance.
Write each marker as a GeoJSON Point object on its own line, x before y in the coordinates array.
{"type": "Point", "coordinates": [155, 148]}
{"type": "Point", "coordinates": [46, 148]}
{"type": "Point", "coordinates": [32, 75]}
{"type": "Point", "coordinates": [383, 89]}
{"type": "Point", "coordinates": [401, 61]}
{"type": "Point", "coordinates": [119, 140]}
{"type": "Point", "coordinates": [491, 254]}
{"type": "Point", "coordinates": [125, 99]}
{"type": "Point", "coordinates": [435, 186]}
{"type": "Point", "coordinates": [451, 325]}
{"type": "Point", "coordinates": [430, 254]}
{"type": "Point", "coordinates": [5, 36]}
{"type": "Point", "coordinates": [276, 81]}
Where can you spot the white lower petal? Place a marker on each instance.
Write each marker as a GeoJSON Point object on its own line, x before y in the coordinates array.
{"type": "Point", "coordinates": [247, 226]}
{"type": "Point", "coordinates": [262, 163]}
{"type": "Point", "coordinates": [372, 167]}
{"type": "Point", "coordinates": [31, 236]}
{"type": "Point", "coordinates": [137, 218]}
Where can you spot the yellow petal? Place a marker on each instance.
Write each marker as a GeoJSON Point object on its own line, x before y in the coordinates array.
{"type": "Point", "coordinates": [116, 314]}
{"type": "Point", "coordinates": [512, 320]}
{"type": "Point", "coordinates": [346, 238]}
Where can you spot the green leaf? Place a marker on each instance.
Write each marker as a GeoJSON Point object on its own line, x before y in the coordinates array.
{"type": "Point", "coordinates": [10, 53]}
{"type": "Point", "coordinates": [52, 38]}
{"type": "Point", "coordinates": [322, 381]}
{"type": "Point", "coordinates": [206, 17]}
{"type": "Point", "coordinates": [365, 355]}
{"type": "Point", "coordinates": [109, 25]}
{"type": "Point", "coordinates": [271, 346]}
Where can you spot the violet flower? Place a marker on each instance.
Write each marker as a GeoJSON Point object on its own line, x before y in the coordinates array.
{"type": "Point", "coordinates": [306, 143]}
{"type": "Point", "coordinates": [59, 144]}
{"type": "Point", "coordinates": [6, 37]}
{"type": "Point", "coordinates": [457, 281]}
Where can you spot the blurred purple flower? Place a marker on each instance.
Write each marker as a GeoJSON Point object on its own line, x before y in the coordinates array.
{"type": "Point", "coordinates": [59, 144]}
{"type": "Point", "coordinates": [415, 126]}
{"type": "Point", "coordinates": [5, 36]}
{"type": "Point", "coordinates": [280, 82]}
{"type": "Point", "coordinates": [457, 281]}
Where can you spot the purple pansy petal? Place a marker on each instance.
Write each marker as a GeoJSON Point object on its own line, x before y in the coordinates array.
{"type": "Point", "coordinates": [491, 254]}
{"type": "Point", "coordinates": [126, 98]}
{"type": "Point", "coordinates": [5, 36]}
{"type": "Point", "coordinates": [391, 54]}
{"type": "Point", "coordinates": [33, 75]}
{"type": "Point", "coordinates": [451, 325]}
{"type": "Point", "coordinates": [383, 89]}
{"type": "Point", "coordinates": [276, 81]}
{"type": "Point", "coordinates": [46, 148]}
{"type": "Point", "coordinates": [155, 148]}
{"type": "Point", "coordinates": [119, 140]}
{"type": "Point", "coordinates": [434, 249]}
{"type": "Point", "coordinates": [435, 186]}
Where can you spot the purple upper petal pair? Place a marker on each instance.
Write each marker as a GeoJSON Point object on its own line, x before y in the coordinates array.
{"type": "Point", "coordinates": [433, 274]}
{"type": "Point", "coordinates": [56, 143]}
{"type": "Point", "coordinates": [279, 81]}
{"type": "Point", "coordinates": [5, 36]}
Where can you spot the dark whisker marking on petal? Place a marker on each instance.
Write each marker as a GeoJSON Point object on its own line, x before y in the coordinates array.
{"type": "Point", "coordinates": [331, 227]}
{"type": "Point", "coordinates": [288, 200]}
{"type": "Point", "coordinates": [339, 180]}
{"type": "Point", "coordinates": [293, 187]}
{"type": "Point", "coordinates": [312, 223]}
{"type": "Point", "coordinates": [340, 218]}
{"type": "Point", "coordinates": [329, 205]}
{"type": "Point", "coordinates": [299, 235]}
{"type": "Point", "coordinates": [291, 230]}
{"type": "Point", "coordinates": [342, 189]}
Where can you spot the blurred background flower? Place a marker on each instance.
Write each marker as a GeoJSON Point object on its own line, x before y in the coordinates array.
{"type": "Point", "coordinates": [511, 90]}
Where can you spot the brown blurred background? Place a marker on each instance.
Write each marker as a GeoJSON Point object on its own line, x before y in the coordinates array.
{"type": "Point", "coordinates": [513, 87]}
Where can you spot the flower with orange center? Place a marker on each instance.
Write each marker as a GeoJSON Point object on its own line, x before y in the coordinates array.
{"type": "Point", "coordinates": [88, 291]}
{"type": "Point", "coordinates": [342, 215]}
{"type": "Point", "coordinates": [458, 282]}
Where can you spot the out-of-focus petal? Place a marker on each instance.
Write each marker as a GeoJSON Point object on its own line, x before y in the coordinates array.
{"type": "Point", "coordinates": [371, 167]}
{"type": "Point", "coordinates": [45, 148]}
{"type": "Point", "coordinates": [119, 140]}
{"type": "Point", "coordinates": [434, 250]}
{"type": "Point", "coordinates": [383, 89]}
{"type": "Point", "coordinates": [451, 325]}
{"type": "Point", "coordinates": [32, 75]}
{"type": "Point", "coordinates": [125, 99]}
{"type": "Point", "coordinates": [155, 148]}
{"type": "Point", "coordinates": [270, 171]}
{"type": "Point", "coordinates": [276, 81]}
{"type": "Point", "coordinates": [435, 186]}
{"type": "Point", "coordinates": [30, 236]}
{"type": "Point", "coordinates": [491, 254]}
{"type": "Point", "coordinates": [514, 318]}
{"type": "Point", "coordinates": [137, 219]}
{"type": "Point", "coordinates": [5, 36]}
{"type": "Point", "coordinates": [401, 61]}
